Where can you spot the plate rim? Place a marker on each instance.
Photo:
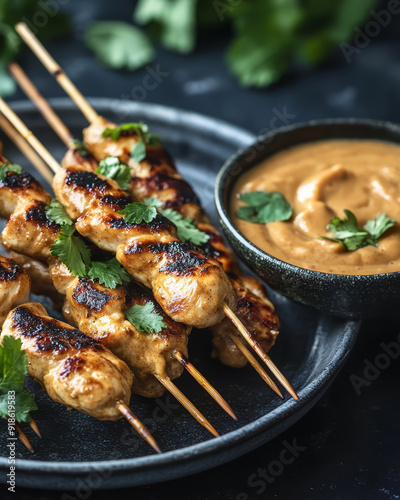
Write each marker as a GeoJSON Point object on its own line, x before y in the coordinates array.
{"type": "Point", "coordinates": [289, 408]}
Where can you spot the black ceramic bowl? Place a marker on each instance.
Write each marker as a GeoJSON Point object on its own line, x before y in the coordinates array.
{"type": "Point", "coordinates": [342, 295]}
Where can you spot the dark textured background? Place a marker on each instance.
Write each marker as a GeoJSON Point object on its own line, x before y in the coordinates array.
{"type": "Point", "coordinates": [352, 442]}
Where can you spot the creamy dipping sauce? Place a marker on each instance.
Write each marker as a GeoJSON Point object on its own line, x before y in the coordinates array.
{"type": "Point", "coordinates": [319, 180]}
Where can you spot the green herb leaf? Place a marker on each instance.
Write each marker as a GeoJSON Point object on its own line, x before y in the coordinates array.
{"type": "Point", "coordinates": [80, 146]}
{"type": "Point", "coordinates": [57, 213]}
{"type": "Point", "coordinates": [8, 167]}
{"type": "Point", "coordinates": [141, 129]}
{"type": "Point", "coordinates": [187, 231]}
{"type": "Point", "coordinates": [153, 202]}
{"type": "Point", "coordinates": [119, 45]}
{"type": "Point", "coordinates": [112, 168]}
{"type": "Point", "coordinates": [23, 403]}
{"type": "Point", "coordinates": [137, 212]}
{"type": "Point", "coordinates": [13, 365]}
{"type": "Point", "coordinates": [145, 319]}
{"type": "Point", "coordinates": [348, 234]}
{"type": "Point", "coordinates": [109, 273]}
{"type": "Point", "coordinates": [72, 251]}
{"type": "Point", "coordinates": [139, 151]}
{"type": "Point", "coordinates": [264, 207]}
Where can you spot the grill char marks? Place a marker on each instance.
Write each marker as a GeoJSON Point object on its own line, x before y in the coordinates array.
{"type": "Point", "coordinates": [72, 365]}
{"type": "Point", "coordinates": [117, 203]}
{"type": "Point", "coordinates": [86, 294]}
{"type": "Point", "coordinates": [23, 181]}
{"type": "Point", "coordinates": [50, 334]}
{"type": "Point", "coordinates": [86, 180]}
{"type": "Point", "coordinates": [159, 223]}
{"type": "Point", "coordinates": [37, 214]}
{"type": "Point", "coordinates": [9, 271]}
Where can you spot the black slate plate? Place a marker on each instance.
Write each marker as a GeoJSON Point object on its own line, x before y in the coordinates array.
{"type": "Point", "coordinates": [310, 350]}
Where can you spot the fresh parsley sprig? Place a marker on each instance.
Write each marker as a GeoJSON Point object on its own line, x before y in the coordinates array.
{"type": "Point", "coordinates": [13, 369]}
{"type": "Point", "coordinates": [72, 251]}
{"type": "Point", "coordinates": [348, 234]}
{"type": "Point", "coordinates": [8, 167]}
{"type": "Point", "coordinates": [111, 167]}
{"type": "Point", "coordinates": [263, 207]}
{"type": "Point", "coordinates": [145, 319]}
{"type": "Point", "coordinates": [109, 273]}
{"type": "Point", "coordinates": [57, 213]}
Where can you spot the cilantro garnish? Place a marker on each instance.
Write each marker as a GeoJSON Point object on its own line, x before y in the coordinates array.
{"type": "Point", "coordinates": [13, 369]}
{"type": "Point", "coordinates": [112, 168]}
{"type": "Point", "coordinates": [263, 207]}
{"type": "Point", "coordinates": [348, 234]}
{"type": "Point", "coordinates": [72, 251]}
{"type": "Point", "coordinates": [7, 167]}
{"type": "Point", "coordinates": [80, 146]}
{"type": "Point", "coordinates": [137, 212]}
{"type": "Point", "coordinates": [187, 231]}
{"type": "Point", "coordinates": [109, 273]}
{"type": "Point", "coordinates": [139, 151]}
{"type": "Point", "coordinates": [57, 213]}
{"type": "Point", "coordinates": [145, 319]}
{"type": "Point", "coordinates": [153, 202]}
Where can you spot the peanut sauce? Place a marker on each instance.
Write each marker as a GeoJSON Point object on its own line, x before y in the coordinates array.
{"type": "Point", "coordinates": [319, 180]}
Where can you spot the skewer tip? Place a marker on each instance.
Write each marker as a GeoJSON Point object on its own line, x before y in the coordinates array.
{"type": "Point", "coordinates": [35, 428]}
{"type": "Point", "coordinates": [138, 425]}
{"type": "Point", "coordinates": [23, 438]}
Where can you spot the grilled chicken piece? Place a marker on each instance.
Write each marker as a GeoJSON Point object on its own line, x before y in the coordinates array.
{"type": "Point", "coordinates": [190, 287]}
{"type": "Point", "coordinates": [156, 176]}
{"type": "Point", "coordinates": [99, 312]}
{"type": "Point", "coordinates": [23, 201]}
{"type": "Point", "coordinates": [75, 369]}
{"type": "Point", "coordinates": [14, 286]}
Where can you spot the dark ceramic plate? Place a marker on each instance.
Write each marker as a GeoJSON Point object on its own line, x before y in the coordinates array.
{"type": "Point", "coordinates": [310, 350]}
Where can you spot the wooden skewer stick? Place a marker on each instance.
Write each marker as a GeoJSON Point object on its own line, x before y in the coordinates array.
{"type": "Point", "coordinates": [25, 149]}
{"type": "Point", "coordinates": [260, 351]}
{"type": "Point", "coordinates": [35, 428]}
{"type": "Point", "coordinates": [53, 164]}
{"type": "Point", "coordinates": [45, 109]}
{"type": "Point", "coordinates": [137, 425]}
{"type": "Point", "coordinates": [29, 136]}
{"type": "Point", "coordinates": [255, 364]}
{"type": "Point", "coordinates": [204, 383]}
{"type": "Point", "coordinates": [171, 387]}
{"type": "Point", "coordinates": [51, 65]}
{"type": "Point", "coordinates": [23, 438]}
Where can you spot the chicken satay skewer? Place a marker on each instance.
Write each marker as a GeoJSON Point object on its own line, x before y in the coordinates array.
{"type": "Point", "coordinates": [49, 62]}
{"type": "Point", "coordinates": [14, 290]}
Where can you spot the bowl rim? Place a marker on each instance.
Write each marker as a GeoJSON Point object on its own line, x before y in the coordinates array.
{"type": "Point", "coordinates": [265, 139]}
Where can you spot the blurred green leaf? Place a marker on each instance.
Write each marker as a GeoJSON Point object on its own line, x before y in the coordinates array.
{"type": "Point", "coordinates": [119, 45]}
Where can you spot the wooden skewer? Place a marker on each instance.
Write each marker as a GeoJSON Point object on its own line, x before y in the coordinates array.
{"type": "Point", "coordinates": [23, 438]}
{"type": "Point", "coordinates": [45, 109]}
{"type": "Point", "coordinates": [255, 364]}
{"type": "Point", "coordinates": [51, 65]}
{"type": "Point", "coordinates": [171, 387]}
{"type": "Point", "coordinates": [204, 383]}
{"type": "Point", "coordinates": [25, 149]}
{"type": "Point", "coordinates": [92, 116]}
{"type": "Point", "coordinates": [137, 425]}
{"type": "Point", "coordinates": [260, 351]}
{"type": "Point", "coordinates": [35, 428]}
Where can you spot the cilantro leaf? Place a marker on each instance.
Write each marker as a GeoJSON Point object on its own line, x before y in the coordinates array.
{"type": "Point", "coordinates": [176, 22]}
{"type": "Point", "coordinates": [138, 153]}
{"type": "Point", "coordinates": [153, 202]}
{"type": "Point", "coordinates": [141, 129]}
{"type": "Point", "coordinates": [187, 231]}
{"type": "Point", "coordinates": [137, 212]}
{"type": "Point", "coordinates": [348, 234]}
{"type": "Point", "coordinates": [109, 273]}
{"type": "Point", "coordinates": [80, 146]}
{"type": "Point", "coordinates": [145, 319]}
{"type": "Point", "coordinates": [72, 251]}
{"type": "Point", "coordinates": [112, 168]}
{"type": "Point", "coordinates": [57, 213]}
{"type": "Point", "coordinates": [264, 207]}
{"type": "Point", "coordinates": [7, 167]}
{"type": "Point", "coordinates": [119, 45]}
{"type": "Point", "coordinates": [24, 403]}
{"type": "Point", "coordinates": [13, 365]}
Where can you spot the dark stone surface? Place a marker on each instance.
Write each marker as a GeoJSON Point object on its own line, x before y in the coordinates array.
{"type": "Point", "coordinates": [352, 442]}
